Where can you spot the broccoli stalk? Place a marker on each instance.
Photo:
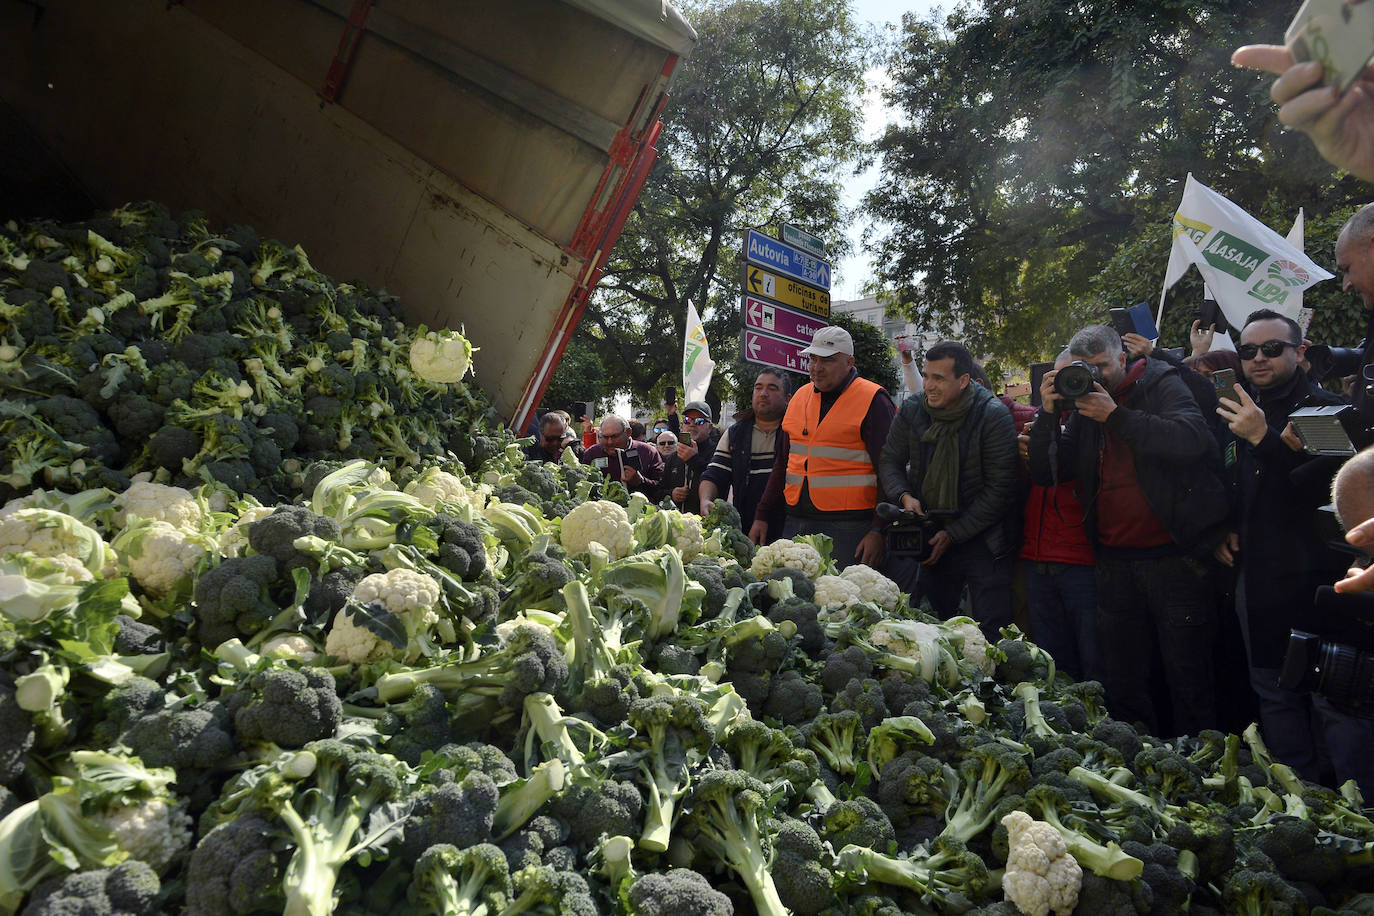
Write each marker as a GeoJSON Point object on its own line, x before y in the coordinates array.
{"type": "Point", "coordinates": [729, 809]}
{"type": "Point", "coordinates": [950, 874]}
{"type": "Point", "coordinates": [671, 735]}
{"type": "Point", "coordinates": [548, 722]}
{"type": "Point", "coordinates": [985, 773]}
{"type": "Point", "coordinates": [529, 662]}
{"type": "Point", "coordinates": [461, 882]}
{"type": "Point", "coordinates": [1036, 723]}
{"type": "Point", "coordinates": [522, 798]}
{"type": "Point", "coordinates": [1108, 861]}
{"type": "Point", "coordinates": [835, 736]}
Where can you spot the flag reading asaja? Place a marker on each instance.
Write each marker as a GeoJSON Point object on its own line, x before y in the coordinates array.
{"type": "Point", "coordinates": [1245, 264]}
{"type": "Point", "coordinates": [697, 365]}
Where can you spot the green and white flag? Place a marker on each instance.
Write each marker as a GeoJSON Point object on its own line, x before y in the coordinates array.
{"type": "Point", "coordinates": [697, 365]}
{"type": "Point", "coordinates": [1245, 264]}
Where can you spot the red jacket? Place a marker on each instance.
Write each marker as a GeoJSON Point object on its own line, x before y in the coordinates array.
{"type": "Point", "coordinates": [1047, 538]}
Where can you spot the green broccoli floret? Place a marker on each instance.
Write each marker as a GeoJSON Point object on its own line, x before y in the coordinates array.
{"type": "Point", "coordinates": [537, 583]}
{"type": "Point", "coordinates": [137, 638]}
{"type": "Point", "coordinates": [545, 891]}
{"type": "Point", "coordinates": [418, 724]}
{"type": "Point", "coordinates": [528, 662]}
{"type": "Point", "coordinates": [449, 881]}
{"type": "Point", "coordinates": [234, 870]}
{"type": "Point", "coordinates": [451, 808]}
{"type": "Point", "coordinates": [136, 417]}
{"type": "Point", "coordinates": [1169, 774]}
{"type": "Point", "coordinates": [235, 598]}
{"type": "Point", "coordinates": [595, 808]}
{"type": "Point", "coordinates": [1170, 887]}
{"type": "Point", "coordinates": [678, 892]}
{"type": "Point", "coordinates": [848, 664]}
{"type": "Point", "coordinates": [171, 446]}
{"type": "Point", "coordinates": [1119, 736]}
{"type": "Point", "coordinates": [710, 576]}
{"type": "Point", "coordinates": [864, 697]}
{"type": "Point", "coordinates": [1296, 847]}
{"type": "Point", "coordinates": [858, 821]}
{"type": "Point", "coordinates": [1250, 892]}
{"type": "Point", "coordinates": [986, 772]}
{"type": "Point", "coordinates": [1024, 661]}
{"type": "Point", "coordinates": [184, 737]}
{"type": "Point", "coordinates": [670, 658]}
{"type": "Point", "coordinates": [123, 704]}
{"type": "Point", "coordinates": [130, 888]}
{"type": "Point", "coordinates": [671, 736]}
{"type": "Point", "coordinates": [770, 756]}
{"type": "Point", "coordinates": [287, 707]}
{"type": "Point", "coordinates": [950, 873]}
{"type": "Point", "coordinates": [1099, 895]}
{"type": "Point", "coordinates": [728, 813]}
{"type": "Point", "coordinates": [811, 638]}
{"type": "Point", "coordinates": [539, 478]}
{"type": "Point", "coordinates": [792, 699]}
{"type": "Point", "coordinates": [275, 536]}
{"type": "Point", "coordinates": [460, 549]}
{"type": "Point", "coordinates": [802, 586]}
{"type": "Point", "coordinates": [805, 885]}
{"type": "Point", "coordinates": [837, 737]}
{"type": "Point", "coordinates": [915, 785]}
{"type": "Point", "coordinates": [1208, 836]}
{"type": "Point", "coordinates": [723, 521]}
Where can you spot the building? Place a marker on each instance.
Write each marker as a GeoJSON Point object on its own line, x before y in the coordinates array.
{"type": "Point", "coordinates": [871, 310]}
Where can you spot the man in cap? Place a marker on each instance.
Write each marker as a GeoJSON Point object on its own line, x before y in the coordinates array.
{"type": "Point", "coordinates": [828, 475]}
{"type": "Point", "coordinates": [696, 449]}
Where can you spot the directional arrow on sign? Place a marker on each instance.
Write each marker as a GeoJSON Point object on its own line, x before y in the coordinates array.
{"type": "Point", "coordinates": [760, 282]}
{"type": "Point", "coordinates": [753, 347]}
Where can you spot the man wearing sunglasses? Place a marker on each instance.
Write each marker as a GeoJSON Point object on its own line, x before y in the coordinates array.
{"type": "Point", "coordinates": [554, 436]}
{"type": "Point", "coordinates": [696, 449]}
{"type": "Point", "coordinates": [1148, 473]}
{"type": "Point", "coordinates": [1275, 546]}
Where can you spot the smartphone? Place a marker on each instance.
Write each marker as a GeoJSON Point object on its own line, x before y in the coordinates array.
{"type": "Point", "coordinates": [1337, 35]}
{"type": "Point", "coordinates": [629, 458]}
{"type": "Point", "coordinates": [905, 344]}
{"type": "Point", "coordinates": [1121, 320]}
{"type": "Point", "coordinates": [580, 409]}
{"type": "Point", "coordinates": [670, 395]}
{"type": "Point", "coordinates": [1037, 375]}
{"type": "Point", "coordinates": [1224, 381]}
{"type": "Point", "coordinates": [1209, 314]}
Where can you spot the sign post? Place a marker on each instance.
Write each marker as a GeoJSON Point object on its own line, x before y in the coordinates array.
{"type": "Point", "coordinates": [785, 297]}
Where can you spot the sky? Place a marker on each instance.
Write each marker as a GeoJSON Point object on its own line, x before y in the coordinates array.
{"type": "Point", "coordinates": [850, 274]}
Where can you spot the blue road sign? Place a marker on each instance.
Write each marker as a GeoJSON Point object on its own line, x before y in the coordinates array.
{"type": "Point", "coordinates": [779, 256]}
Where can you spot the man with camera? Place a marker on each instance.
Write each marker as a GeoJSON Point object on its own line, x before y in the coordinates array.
{"type": "Point", "coordinates": [748, 450]}
{"type": "Point", "coordinates": [638, 465]}
{"type": "Point", "coordinates": [1148, 474]}
{"type": "Point", "coordinates": [951, 454]}
{"type": "Point", "coordinates": [828, 475]}
{"type": "Point", "coordinates": [1274, 543]}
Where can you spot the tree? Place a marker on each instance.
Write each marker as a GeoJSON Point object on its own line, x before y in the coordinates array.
{"type": "Point", "coordinates": [1041, 152]}
{"type": "Point", "coordinates": [763, 118]}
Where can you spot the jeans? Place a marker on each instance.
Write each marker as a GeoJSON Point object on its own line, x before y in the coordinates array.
{"type": "Point", "coordinates": [989, 586]}
{"type": "Point", "coordinates": [844, 535]}
{"type": "Point", "coordinates": [1350, 741]}
{"type": "Point", "coordinates": [1063, 616]}
{"type": "Point", "coordinates": [1164, 601]}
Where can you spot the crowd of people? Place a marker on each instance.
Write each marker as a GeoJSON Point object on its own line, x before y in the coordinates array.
{"type": "Point", "coordinates": [1148, 534]}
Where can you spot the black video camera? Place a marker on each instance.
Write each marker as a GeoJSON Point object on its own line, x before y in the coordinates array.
{"type": "Point", "coordinates": [1334, 362]}
{"type": "Point", "coordinates": [1336, 661]}
{"type": "Point", "coordinates": [1076, 380]}
{"type": "Point", "coordinates": [909, 533]}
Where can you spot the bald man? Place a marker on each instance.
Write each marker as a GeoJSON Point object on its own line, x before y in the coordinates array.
{"type": "Point", "coordinates": [1355, 267]}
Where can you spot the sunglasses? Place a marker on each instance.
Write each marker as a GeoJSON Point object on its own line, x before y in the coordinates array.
{"type": "Point", "coordinates": [700, 421]}
{"type": "Point", "coordinates": [1270, 348]}
{"type": "Point", "coordinates": [661, 429]}
{"type": "Point", "coordinates": [666, 443]}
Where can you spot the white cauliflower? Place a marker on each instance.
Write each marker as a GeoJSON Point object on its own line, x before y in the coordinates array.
{"type": "Point", "coordinates": [922, 643]}
{"type": "Point", "coordinates": [873, 585]}
{"type": "Point", "coordinates": [409, 595]}
{"type": "Point", "coordinates": [233, 541]}
{"type": "Point", "coordinates": [836, 592]}
{"type": "Point", "coordinates": [151, 831]}
{"type": "Point", "coordinates": [671, 527]}
{"type": "Point", "coordinates": [786, 554]}
{"type": "Point", "coordinates": [602, 521]}
{"type": "Point", "coordinates": [974, 647]}
{"type": "Point", "coordinates": [1041, 876]}
{"type": "Point", "coordinates": [291, 646]}
{"type": "Point", "coordinates": [434, 485]}
{"type": "Point", "coordinates": [440, 356]}
{"type": "Point", "coordinates": [174, 505]}
{"type": "Point", "coordinates": [49, 533]}
{"type": "Point", "coordinates": [160, 557]}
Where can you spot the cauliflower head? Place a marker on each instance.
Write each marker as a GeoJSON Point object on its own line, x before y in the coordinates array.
{"type": "Point", "coordinates": [441, 357]}
{"type": "Point", "coordinates": [602, 521]}
{"type": "Point", "coordinates": [671, 528]}
{"type": "Point", "coordinates": [151, 831]}
{"type": "Point", "coordinates": [434, 486]}
{"type": "Point", "coordinates": [836, 592]}
{"type": "Point", "coordinates": [160, 556]}
{"type": "Point", "coordinates": [233, 541]}
{"type": "Point", "coordinates": [400, 591]}
{"type": "Point", "coordinates": [923, 642]}
{"type": "Point", "coordinates": [53, 534]}
{"type": "Point", "coordinates": [786, 554]}
{"type": "Point", "coordinates": [1041, 876]}
{"type": "Point", "coordinates": [974, 646]}
{"type": "Point", "coordinates": [873, 585]}
{"type": "Point", "coordinates": [176, 506]}
{"type": "Point", "coordinates": [411, 596]}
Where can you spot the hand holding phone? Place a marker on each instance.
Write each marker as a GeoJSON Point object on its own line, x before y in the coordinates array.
{"type": "Point", "coordinates": [1336, 34]}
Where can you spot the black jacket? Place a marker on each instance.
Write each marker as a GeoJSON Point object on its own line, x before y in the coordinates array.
{"type": "Point", "coordinates": [1282, 556]}
{"type": "Point", "coordinates": [1177, 460]}
{"type": "Point", "coordinates": [987, 467]}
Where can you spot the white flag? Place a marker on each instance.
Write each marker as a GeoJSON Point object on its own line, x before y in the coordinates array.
{"type": "Point", "coordinates": [1245, 264]}
{"type": "Point", "coordinates": [696, 359]}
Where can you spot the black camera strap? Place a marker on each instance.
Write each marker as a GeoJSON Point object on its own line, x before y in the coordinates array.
{"type": "Point", "coordinates": [1054, 476]}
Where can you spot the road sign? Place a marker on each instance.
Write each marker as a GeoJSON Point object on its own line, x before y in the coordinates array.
{"type": "Point", "coordinates": [774, 351]}
{"type": "Point", "coordinates": [759, 282]}
{"type": "Point", "coordinates": [771, 318]}
{"type": "Point", "coordinates": [800, 238]}
{"type": "Point", "coordinates": [786, 260]}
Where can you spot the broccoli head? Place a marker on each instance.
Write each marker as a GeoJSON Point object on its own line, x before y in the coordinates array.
{"type": "Point", "coordinates": [287, 707]}
{"type": "Point", "coordinates": [275, 536]}
{"type": "Point", "coordinates": [130, 888]}
{"type": "Point", "coordinates": [461, 550]}
{"type": "Point", "coordinates": [234, 870]}
{"type": "Point", "coordinates": [235, 598]}
{"type": "Point", "coordinates": [678, 892]}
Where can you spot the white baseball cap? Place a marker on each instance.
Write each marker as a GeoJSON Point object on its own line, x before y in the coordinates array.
{"type": "Point", "coordinates": [829, 341]}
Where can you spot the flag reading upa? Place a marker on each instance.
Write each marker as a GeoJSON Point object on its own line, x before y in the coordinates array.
{"type": "Point", "coordinates": [1245, 264]}
{"type": "Point", "coordinates": [697, 365]}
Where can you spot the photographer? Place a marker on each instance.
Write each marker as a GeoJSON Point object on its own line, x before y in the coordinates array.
{"type": "Point", "coordinates": [1274, 543]}
{"type": "Point", "coordinates": [1147, 473]}
{"type": "Point", "coordinates": [635, 464]}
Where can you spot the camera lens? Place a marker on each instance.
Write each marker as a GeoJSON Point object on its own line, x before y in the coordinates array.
{"type": "Point", "coordinates": [1346, 674]}
{"type": "Point", "coordinates": [1074, 380]}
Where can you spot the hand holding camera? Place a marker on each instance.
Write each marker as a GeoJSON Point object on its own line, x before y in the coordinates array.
{"type": "Point", "coordinates": [1079, 385]}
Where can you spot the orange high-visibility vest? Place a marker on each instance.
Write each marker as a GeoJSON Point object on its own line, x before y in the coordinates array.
{"type": "Point", "coordinates": [830, 455]}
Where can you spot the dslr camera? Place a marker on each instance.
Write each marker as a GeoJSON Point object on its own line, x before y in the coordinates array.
{"type": "Point", "coordinates": [1335, 658]}
{"type": "Point", "coordinates": [1075, 380]}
